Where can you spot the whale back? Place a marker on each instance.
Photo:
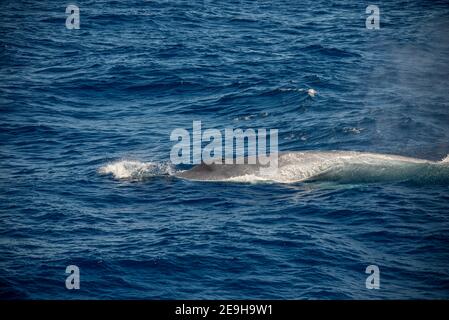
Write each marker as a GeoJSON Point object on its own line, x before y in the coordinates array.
{"type": "Point", "coordinates": [343, 166]}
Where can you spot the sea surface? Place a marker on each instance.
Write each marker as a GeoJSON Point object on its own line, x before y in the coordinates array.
{"type": "Point", "coordinates": [74, 102]}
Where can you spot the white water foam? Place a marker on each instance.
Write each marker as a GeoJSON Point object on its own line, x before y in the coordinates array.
{"type": "Point", "coordinates": [135, 170]}
{"type": "Point", "coordinates": [311, 92]}
{"type": "Point", "coordinates": [445, 160]}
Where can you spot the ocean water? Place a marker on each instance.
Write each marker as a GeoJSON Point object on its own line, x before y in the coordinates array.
{"type": "Point", "coordinates": [85, 173]}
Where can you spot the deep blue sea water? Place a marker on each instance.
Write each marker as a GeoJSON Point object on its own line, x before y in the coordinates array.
{"type": "Point", "coordinates": [74, 101]}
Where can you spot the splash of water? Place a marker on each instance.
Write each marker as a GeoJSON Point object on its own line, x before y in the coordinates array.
{"type": "Point", "coordinates": [136, 170]}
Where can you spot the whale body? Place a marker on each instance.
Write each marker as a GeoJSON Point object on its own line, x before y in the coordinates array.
{"type": "Point", "coordinates": [341, 166]}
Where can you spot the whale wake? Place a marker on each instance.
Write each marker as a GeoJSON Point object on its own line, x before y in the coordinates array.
{"type": "Point", "coordinates": [307, 166]}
